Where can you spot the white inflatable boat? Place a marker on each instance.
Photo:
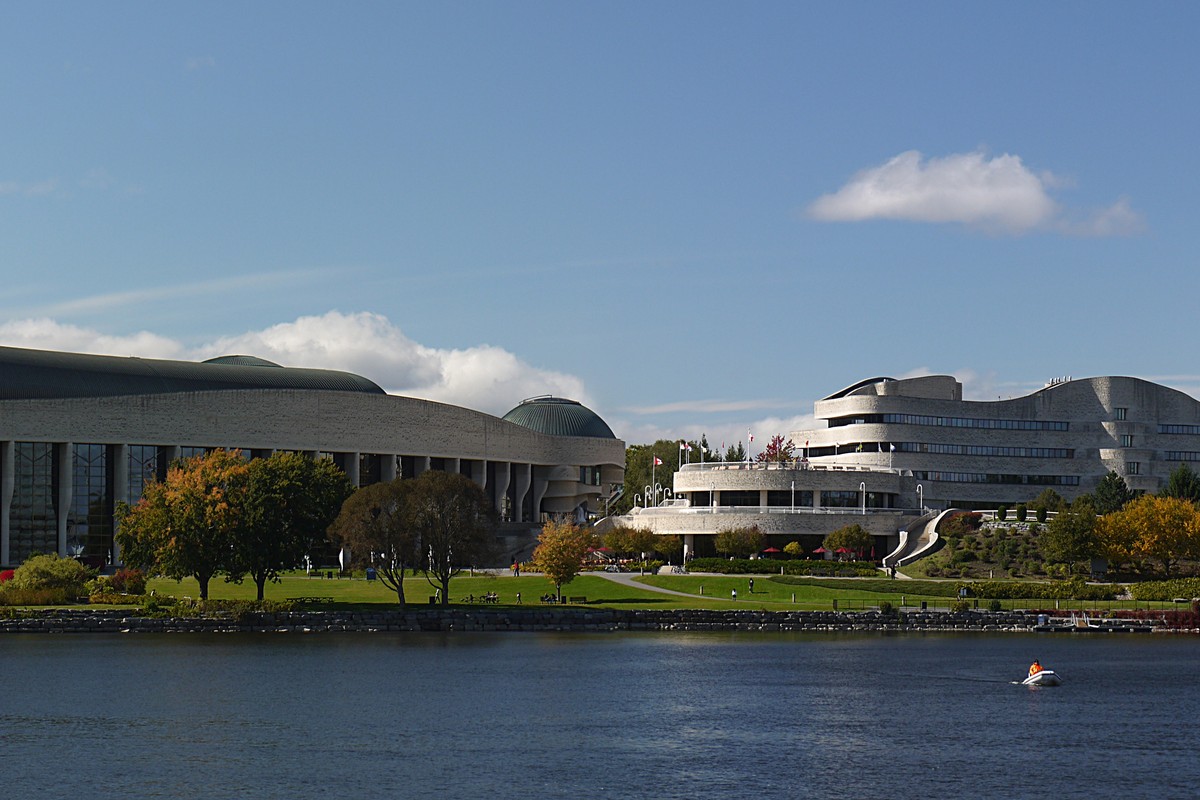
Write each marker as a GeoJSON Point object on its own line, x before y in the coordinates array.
{"type": "Point", "coordinates": [1046, 677]}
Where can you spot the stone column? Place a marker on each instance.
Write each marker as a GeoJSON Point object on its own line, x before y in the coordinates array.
{"type": "Point", "coordinates": [64, 452]}
{"type": "Point", "coordinates": [7, 482]}
{"type": "Point", "coordinates": [524, 479]}
{"type": "Point", "coordinates": [387, 467]}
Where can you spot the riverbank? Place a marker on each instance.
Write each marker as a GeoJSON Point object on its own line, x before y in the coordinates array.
{"type": "Point", "coordinates": [559, 619]}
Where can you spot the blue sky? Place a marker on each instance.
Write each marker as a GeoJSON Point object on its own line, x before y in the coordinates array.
{"type": "Point", "coordinates": [693, 217]}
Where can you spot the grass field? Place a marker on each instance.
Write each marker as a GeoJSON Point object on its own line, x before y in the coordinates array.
{"type": "Point", "coordinates": [712, 591]}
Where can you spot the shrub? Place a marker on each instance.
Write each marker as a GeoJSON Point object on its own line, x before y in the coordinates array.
{"type": "Point", "coordinates": [53, 596]}
{"type": "Point", "coordinates": [50, 572]}
{"type": "Point", "coordinates": [1001, 513]}
{"type": "Point", "coordinates": [129, 581]}
{"type": "Point", "coordinates": [6, 575]}
{"type": "Point", "coordinates": [995, 605]}
{"type": "Point", "coordinates": [959, 606]}
{"type": "Point", "coordinates": [1022, 512]}
{"type": "Point", "coordinates": [886, 608]}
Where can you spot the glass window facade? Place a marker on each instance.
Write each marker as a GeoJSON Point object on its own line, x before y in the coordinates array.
{"type": "Point", "coordinates": [146, 463]}
{"type": "Point", "coordinates": [1181, 455]}
{"type": "Point", "coordinates": [1184, 429]}
{"type": "Point", "coordinates": [782, 498]}
{"type": "Point", "coordinates": [34, 517]}
{"type": "Point", "coordinates": [90, 522]}
{"type": "Point", "coordinates": [952, 422]}
{"type": "Point", "coordinates": [984, 477]}
{"type": "Point", "coordinates": [985, 450]}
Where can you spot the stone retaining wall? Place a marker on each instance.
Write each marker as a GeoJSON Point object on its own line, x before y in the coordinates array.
{"type": "Point", "coordinates": [539, 619]}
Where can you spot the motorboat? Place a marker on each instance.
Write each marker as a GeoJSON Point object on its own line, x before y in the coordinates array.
{"type": "Point", "coordinates": [1045, 677]}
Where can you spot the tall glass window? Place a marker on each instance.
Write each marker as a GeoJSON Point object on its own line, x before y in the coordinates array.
{"type": "Point", "coordinates": [34, 520]}
{"type": "Point", "coordinates": [89, 522]}
{"type": "Point", "coordinates": [145, 464]}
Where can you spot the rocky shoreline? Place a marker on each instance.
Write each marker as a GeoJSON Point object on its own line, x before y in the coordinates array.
{"type": "Point", "coordinates": [556, 619]}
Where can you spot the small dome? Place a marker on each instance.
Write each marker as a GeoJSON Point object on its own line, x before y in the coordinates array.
{"type": "Point", "coordinates": [558, 416]}
{"type": "Point", "coordinates": [242, 361]}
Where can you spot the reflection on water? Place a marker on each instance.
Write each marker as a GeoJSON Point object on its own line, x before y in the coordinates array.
{"type": "Point", "coordinates": [601, 715]}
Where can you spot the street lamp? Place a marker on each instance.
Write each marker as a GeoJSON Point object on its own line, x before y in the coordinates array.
{"type": "Point", "coordinates": [793, 497]}
{"type": "Point", "coordinates": [921, 497]}
{"type": "Point", "coordinates": [862, 487]}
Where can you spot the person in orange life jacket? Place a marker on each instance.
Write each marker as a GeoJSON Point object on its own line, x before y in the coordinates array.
{"type": "Point", "coordinates": [1035, 668]}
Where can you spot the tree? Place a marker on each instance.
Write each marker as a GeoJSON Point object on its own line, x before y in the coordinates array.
{"type": "Point", "coordinates": [288, 502]}
{"type": "Point", "coordinates": [1112, 493]}
{"type": "Point", "coordinates": [184, 526]}
{"type": "Point", "coordinates": [640, 472]}
{"type": "Point", "coordinates": [853, 538]}
{"type": "Point", "coordinates": [778, 450]}
{"type": "Point", "coordinates": [736, 452]}
{"type": "Point", "coordinates": [561, 549]}
{"type": "Point", "coordinates": [667, 545]}
{"type": "Point", "coordinates": [1165, 529]}
{"type": "Point", "coordinates": [739, 542]}
{"type": "Point", "coordinates": [1071, 536]}
{"type": "Point", "coordinates": [793, 550]}
{"type": "Point", "coordinates": [453, 522]}
{"type": "Point", "coordinates": [626, 541]}
{"type": "Point", "coordinates": [1183, 484]}
{"type": "Point", "coordinates": [373, 525]}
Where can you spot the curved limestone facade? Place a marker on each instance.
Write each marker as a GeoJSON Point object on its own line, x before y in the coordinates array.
{"type": "Point", "coordinates": [891, 449]}
{"type": "Point", "coordinates": [102, 426]}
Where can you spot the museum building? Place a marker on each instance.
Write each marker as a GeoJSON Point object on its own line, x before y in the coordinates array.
{"type": "Point", "coordinates": [890, 450]}
{"type": "Point", "coordinates": [81, 433]}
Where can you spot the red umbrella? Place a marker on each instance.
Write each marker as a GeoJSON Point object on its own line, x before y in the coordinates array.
{"type": "Point", "coordinates": [772, 550]}
{"type": "Point", "coordinates": [841, 550]}
{"type": "Point", "coordinates": [820, 550]}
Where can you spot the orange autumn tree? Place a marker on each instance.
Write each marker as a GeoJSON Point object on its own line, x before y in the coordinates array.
{"type": "Point", "coordinates": [185, 526]}
{"type": "Point", "coordinates": [561, 549]}
{"type": "Point", "coordinates": [1164, 529]}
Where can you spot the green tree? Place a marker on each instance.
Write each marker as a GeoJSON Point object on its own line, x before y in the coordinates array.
{"type": "Point", "coordinates": [739, 542]}
{"type": "Point", "coordinates": [1071, 536]}
{"type": "Point", "coordinates": [793, 550]}
{"type": "Point", "coordinates": [735, 452]}
{"type": "Point", "coordinates": [454, 523]}
{"type": "Point", "coordinates": [667, 545]}
{"type": "Point", "coordinates": [373, 526]}
{"type": "Point", "coordinates": [288, 502]}
{"type": "Point", "coordinates": [1112, 493]}
{"type": "Point", "coordinates": [1183, 484]}
{"type": "Point", "coordinates": [853, 538]}
{"type": "Point", "coordinates": [184, 526]}
{"type": "Point", "coordinates": [561, 549]}
{"type": "Point", "coordinates": [640, 472]}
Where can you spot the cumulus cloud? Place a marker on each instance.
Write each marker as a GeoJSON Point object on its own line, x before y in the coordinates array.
{"type": "Point", "coordinates": [484, 377]}
{"type": "Point", "coordinates": [998, 194]}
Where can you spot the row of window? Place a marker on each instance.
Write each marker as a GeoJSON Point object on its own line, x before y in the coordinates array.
{"type": "Point", "coordinates": [1181, 455]}
{"type": "Point", "coordinates": [985, 450]}
{"type": "Point", "coordinates": [1185, 429]}
{"type": "Point", "coordinates": [952, 422]}
{"type": "Point", "coordinates": [986, 477]}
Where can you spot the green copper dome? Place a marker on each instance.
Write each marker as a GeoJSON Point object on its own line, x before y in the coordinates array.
{"type": "Point", "coordinates": [558, 416]}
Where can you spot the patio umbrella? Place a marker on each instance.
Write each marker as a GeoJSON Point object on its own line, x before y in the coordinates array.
{"type": "Point", "coordinates": [772, 550]}
{"type": "Point", "coordinates": [820, 550]}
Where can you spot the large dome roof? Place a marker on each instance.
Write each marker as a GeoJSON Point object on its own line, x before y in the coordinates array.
{"type": "Point", "coordinates": [558, 416]}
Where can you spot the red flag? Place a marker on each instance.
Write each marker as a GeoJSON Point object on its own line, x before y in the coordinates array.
{"type": "Point", "coordinates": [657, 461]}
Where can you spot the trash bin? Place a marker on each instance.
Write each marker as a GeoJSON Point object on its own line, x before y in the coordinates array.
{"type": "Point", "coordinates": [924, 605]}
{"type": "Point", "coordinates": [433, 600]}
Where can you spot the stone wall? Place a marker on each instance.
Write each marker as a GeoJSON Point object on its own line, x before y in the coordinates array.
{"type": "Point", "coordinates": [531, 619]}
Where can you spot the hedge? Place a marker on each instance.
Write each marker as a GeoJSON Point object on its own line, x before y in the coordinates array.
{"type": "Point", "coordinates": [1166, 590]}
{"type": "Point", "coordinates": [770, 566]}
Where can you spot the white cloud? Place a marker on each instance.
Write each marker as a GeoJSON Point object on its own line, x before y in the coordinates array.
{"type": "Point", "coordinates": [486, 378]}
{"type": "Point", "coordinates": [998, 194]}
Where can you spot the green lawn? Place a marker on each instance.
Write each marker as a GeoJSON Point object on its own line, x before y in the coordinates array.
{"type": "Point", "coordinates": [707, 592]}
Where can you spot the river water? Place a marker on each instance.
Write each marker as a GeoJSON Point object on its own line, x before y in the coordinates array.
{"type": "Point", "coordinates": [632, 715]}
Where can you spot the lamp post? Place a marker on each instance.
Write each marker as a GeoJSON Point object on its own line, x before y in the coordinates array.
{"type": "Point", "coordinates": [793, 497]}
{"type": "Point", "coordinates": [862, 487]}
{"type": "Point", "coordinates": [712, 497]}
{"type": "Point", "coordinates": [921, 497]}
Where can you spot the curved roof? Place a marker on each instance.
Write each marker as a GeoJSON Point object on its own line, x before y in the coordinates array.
{"type": "Point", "coordinates": [558, 416]}
{"type": "Point", "coordinates": [854, 387]}
{"type": "Point", "coordinates": [245, 361]}
{"type": "Point", "coordinates": [35, 374]}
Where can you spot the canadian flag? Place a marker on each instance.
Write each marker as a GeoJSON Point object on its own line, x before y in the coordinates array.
{"type": "Point", "coordinates": [657, 461]}
{"type": "Point", "coordinates": [751, 435]}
